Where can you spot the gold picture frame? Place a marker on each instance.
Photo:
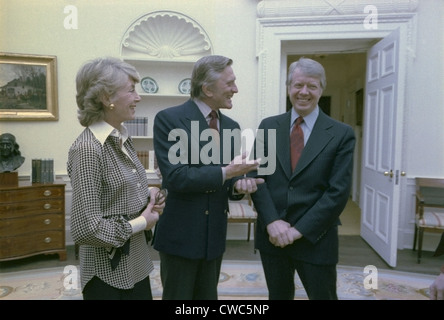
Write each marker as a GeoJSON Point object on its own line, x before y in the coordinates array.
{"type": "Point", "coordinates": [28, 87]}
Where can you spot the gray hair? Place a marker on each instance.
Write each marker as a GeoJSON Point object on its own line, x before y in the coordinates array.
{"type": "Point", "coordinates": [207, 71]}
{"type": "Point", "coordinates": [99, 79]}
{"type": "Point", "coordinates": [308, 67]}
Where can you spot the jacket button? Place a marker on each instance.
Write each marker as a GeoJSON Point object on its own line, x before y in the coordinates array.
{"type": "Point", "coordinates": [207, 212]}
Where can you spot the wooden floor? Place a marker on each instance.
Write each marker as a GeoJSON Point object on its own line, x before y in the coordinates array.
{"type": "Point", "coordinates": [353, 251]}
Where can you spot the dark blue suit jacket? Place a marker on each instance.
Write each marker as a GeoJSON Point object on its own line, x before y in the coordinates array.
{"type": "Point", "coordinates": [194, 221]}
{"type": "Point", "coordinates": [313, 196]}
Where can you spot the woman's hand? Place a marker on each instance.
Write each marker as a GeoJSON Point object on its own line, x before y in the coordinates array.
{"type": "Point", "coordinates": [158, 198]}
{"type": "Point", "coordinates": [151, 216]}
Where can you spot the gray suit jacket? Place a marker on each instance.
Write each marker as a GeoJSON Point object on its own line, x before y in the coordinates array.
{"type": "Point", "coordinates": [313, 196]}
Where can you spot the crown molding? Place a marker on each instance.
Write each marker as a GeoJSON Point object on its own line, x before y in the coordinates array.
{"type": "Point", "coordinates": [331, 8]}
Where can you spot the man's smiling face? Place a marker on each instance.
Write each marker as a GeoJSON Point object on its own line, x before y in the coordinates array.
{"type": "Point", "coordinates": [304, 92]}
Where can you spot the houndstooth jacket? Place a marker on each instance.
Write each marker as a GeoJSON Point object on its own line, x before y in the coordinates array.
{"type": "Point", "coordinates": [109, 187]}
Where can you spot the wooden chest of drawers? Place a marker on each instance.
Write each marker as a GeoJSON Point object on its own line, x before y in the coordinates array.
{"type": "Point", "coordinates": [32, 220]}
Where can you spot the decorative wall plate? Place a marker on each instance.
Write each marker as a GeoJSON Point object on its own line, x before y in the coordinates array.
{"type": "Point", "coordinates": [185, 86]}
{"type": "Point", "coordinates": [149, 85]}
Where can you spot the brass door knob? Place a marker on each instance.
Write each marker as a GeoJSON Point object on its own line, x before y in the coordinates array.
{"type": "Point", "coordinates": [386, 173]}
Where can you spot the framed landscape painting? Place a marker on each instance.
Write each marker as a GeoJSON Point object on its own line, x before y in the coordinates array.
{"type": "Point", "coordinates": [28, 87]}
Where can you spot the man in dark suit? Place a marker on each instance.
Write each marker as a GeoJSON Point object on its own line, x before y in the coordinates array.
{"type": "Point", "coordinates": [298, 209]}
{"type": "Point", "coordinates": [197, 165]}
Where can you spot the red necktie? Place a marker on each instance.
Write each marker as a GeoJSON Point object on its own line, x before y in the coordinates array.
{"type": "Point", "coordinates": [296, 142]}
{"type": "Point", "coordinates": [213, 120]}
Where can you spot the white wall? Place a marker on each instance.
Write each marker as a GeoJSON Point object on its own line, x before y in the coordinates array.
{"type": "Point", "coordinates": [425, 95]}
{"type": "Point", "coordinates": [37, 27]}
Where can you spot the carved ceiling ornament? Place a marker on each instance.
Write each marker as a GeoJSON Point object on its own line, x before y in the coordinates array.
{"type": "Point", "coordinates": [295, 8]}
{"type": "Point", "coordinates": [165, 35]}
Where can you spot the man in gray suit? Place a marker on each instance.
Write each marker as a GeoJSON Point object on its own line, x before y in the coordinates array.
{"type": "Point", "coordinates": [298, 209]}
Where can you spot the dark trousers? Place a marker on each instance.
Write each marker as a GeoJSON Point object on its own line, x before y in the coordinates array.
{"type": "Point", "coordinates": [96, 289]}
{"type": "Point", "coordinates": [189, 279]}
{"type": "Point", "coordinates": [319, 281]}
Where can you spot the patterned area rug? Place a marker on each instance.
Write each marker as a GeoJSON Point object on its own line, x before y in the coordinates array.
{"type": "Point", "coordinates": [243, 280]}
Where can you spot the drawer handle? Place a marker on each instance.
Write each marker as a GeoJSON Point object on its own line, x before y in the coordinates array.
{"type": "Point", "coordinates": [47, 193]}
{"type": "Point", "coordinates": [48, 239]}
{"type": "Point", "coordinates": [47, 221]}
{"type": "Point", "coordinates": [47, 206]}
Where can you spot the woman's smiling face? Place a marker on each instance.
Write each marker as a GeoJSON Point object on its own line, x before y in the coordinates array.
{"type": "Point", "coordinates": [124, 101]}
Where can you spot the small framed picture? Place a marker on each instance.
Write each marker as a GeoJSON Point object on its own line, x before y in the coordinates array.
{"type": "Point", "coordinates": [28, 87]}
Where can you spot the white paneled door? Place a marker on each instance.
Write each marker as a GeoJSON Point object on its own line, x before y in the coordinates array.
{"type": "Point", "coordinates": [380, 187]}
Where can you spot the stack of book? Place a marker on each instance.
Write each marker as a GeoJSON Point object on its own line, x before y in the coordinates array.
{"type": "Point", "coordinates": [143, 157]}
{"type": "Point", "coordinates": [42, 171]}
{"type": "Point", "coordinates": [148, 159]}
{"type": "Point", "coordinates": [137, 127]}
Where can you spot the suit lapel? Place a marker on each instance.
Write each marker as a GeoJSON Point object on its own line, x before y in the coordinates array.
{"type": "Point", "coordinates": [232, 147]}
{"type": "Point", "coordinates": [319, 138]}
{"type": "Point", "coordinates": [192, 114]}
{"type": "Point", "coordinates": [283, 143]}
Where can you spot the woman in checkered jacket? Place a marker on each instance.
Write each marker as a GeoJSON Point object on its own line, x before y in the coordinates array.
{"type": "Point", "coordinates": [112, 204]}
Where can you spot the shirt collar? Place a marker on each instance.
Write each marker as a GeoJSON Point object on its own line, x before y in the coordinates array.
{"type": "Point", "coordinates": [308, 120]}
{"type": "Point", "coordinates": [203, 107]}
{"type": "Point", "coordinates": [102, 129]}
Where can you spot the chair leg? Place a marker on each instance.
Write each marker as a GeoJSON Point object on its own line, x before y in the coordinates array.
{"type": "Point", "coordinates": [420, 236]}
{"type": "Point", "coordinates": [249, 231]}
{"type": "Point", "coordinates": [254, 229]}
{"type": "Point", "coordinates": [415, 237]}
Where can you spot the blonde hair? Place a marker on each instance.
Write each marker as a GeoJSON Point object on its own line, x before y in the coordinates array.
{"type": "Point", "coordinates": [98, 79]}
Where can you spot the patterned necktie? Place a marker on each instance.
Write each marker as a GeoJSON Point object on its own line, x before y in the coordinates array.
{"type": "Point", "coordinates": [213, 120]}
{"type": "Point", "coordinates": [296, 142]}
{"type": "Point", "coordinates": [213, 125]}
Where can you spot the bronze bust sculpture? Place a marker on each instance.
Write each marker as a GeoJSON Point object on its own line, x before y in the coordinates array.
{"type": "Point", "coordinates": [10, 155]}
